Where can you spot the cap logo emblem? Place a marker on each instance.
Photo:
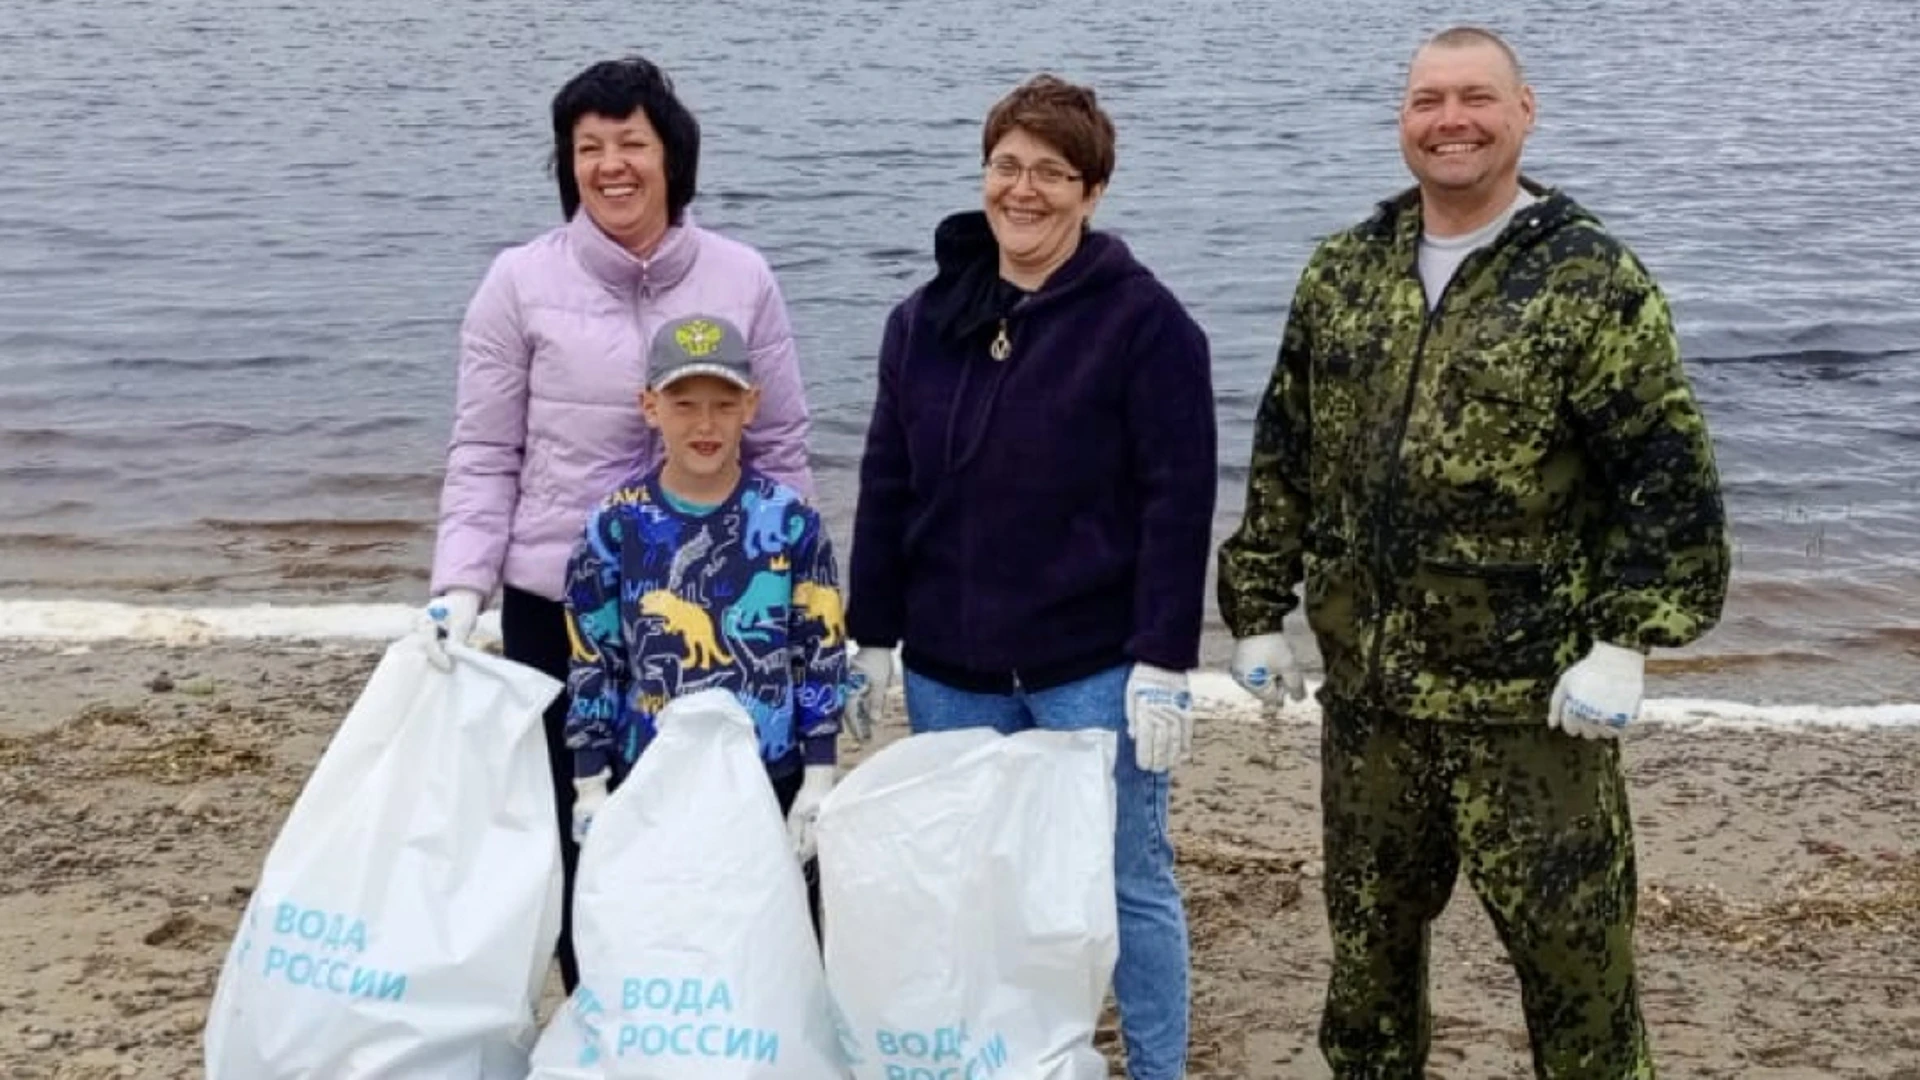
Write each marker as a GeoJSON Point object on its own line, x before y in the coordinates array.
{"type": "Point", "coordinates": [699, 338]}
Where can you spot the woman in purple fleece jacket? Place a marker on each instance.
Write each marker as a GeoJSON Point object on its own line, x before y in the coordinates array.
{"type": "Point", "coordinates": [1036, 506]}
{"type": "Point", "coordinates": [552, 361]}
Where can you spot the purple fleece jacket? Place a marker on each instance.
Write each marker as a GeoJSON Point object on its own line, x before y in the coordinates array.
{"type": "Point", "coordinates": [1045, 515]}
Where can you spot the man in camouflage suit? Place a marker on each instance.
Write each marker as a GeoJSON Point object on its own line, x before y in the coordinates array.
{"type": "Point", "coordinates": [1480, 453]}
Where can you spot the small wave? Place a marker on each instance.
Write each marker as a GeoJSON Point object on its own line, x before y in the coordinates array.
{"type": "Point", "coordinates": [741, 197]}
{"type": "Point", "coordinates": [203, 215]}
{"type": "Point", "coordinates": [1720, 663]}
{"type": "Point", "coordinates": [1825, 365]}
{"type": "Point", "coordinates": [423, 484]}
{"type": "Point", "coordinates": [350, 573]}
{"type": "Point", "coordinates": [828, 463]}
{"type": "Point", "coordinates": [842, 425]}
{"type": "Point", "coordinates": [373, 425]}
{"type": "Point", "coordinates": [313, 529]}
{"type": "Point", "coordinates": [48, 439]}
{"type": "Point", "coordinates": [209, 363]}
{"type": "Point", "coordinates": [23, 341]}
{"type": "Point", "coordinates": [1835, 345]}
{"type": "Point", "coordinates": [168, 434]}
{"type": "Point", "coordinates": [62, 543]}
{"type": "Point", "coordinates": [1825, 593]}
{"type": "Point", "coordinates": [1906, 637]}
{"type": "Point", "coordinates": [49, 472]}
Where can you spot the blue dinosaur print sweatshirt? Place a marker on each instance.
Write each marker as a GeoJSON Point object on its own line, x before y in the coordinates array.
{"type": "Point", "coordinates": [662, 602]}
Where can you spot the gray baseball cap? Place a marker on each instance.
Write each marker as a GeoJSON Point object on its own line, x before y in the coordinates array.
{"type": "Point", "coordinates": [699, 345]}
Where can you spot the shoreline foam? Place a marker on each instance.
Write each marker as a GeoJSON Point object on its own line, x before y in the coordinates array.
{"type": "Point", "coordinates": [81, 623]}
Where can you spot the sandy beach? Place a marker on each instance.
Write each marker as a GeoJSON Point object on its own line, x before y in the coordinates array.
{"type": "Point", "coordinates": [1780, 871]}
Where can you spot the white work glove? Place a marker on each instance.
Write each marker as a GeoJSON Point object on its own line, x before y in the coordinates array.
{"type": "Point", "coordinates": [1600, 695]}
{"type": "Point", "coordinates": [589, 795]}
{"type": "Point", "coordinates": [803, 818]}
{"type": "Point", "coordinates": [870, 674]}
{"type": "Point", "coordinates": [447, 617]}
{"type": "Point", "coordinates": [1264, 666]}
{"type": "Point", "coordinates": [1159, 717]}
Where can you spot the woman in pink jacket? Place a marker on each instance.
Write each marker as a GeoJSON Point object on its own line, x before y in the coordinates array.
{"type": "Point", "coordinates": [553, 358]}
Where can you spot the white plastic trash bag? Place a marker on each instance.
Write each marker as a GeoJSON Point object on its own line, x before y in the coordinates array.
{"type": "Point", "coordinates": [406, 915]}
{"type": "Point", "coordinates": [967, 884]}
{"type": "Point", "coordinates": [697, 954]}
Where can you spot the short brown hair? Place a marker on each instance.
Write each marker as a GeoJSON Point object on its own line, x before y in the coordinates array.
{"type": "Point", "coordinates": [1062, 115]}
{"type": "Point", "coordinates": [1456, 37]}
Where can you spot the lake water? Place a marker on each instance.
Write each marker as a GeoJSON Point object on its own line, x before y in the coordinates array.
{"type": "Point", "coordinates": [236, 238]}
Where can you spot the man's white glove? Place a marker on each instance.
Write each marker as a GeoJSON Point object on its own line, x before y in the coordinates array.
{"type": "Point", "coordinates": [589, 795]}
{"type": "Point", "coordinates": [1264, 666]}
{"type": "Point", "coordinates": [447, 617]}
{"type": "Point", "coordinates": [804, 816]}
{"type": "Point", "coordinates": [1159, 717]}
{"type": "Point", "coordinates": [1600, 695]}
{"type": "Point", "coordinates": [870, 674]}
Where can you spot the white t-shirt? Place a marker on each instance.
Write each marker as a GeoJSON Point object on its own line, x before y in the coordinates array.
{"type": "Point", "coordinates": [1440, 256]}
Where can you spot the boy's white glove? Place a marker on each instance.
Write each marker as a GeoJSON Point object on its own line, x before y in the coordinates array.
{"type": "Point", "coordinates": [589, 795]}
{"type": "Point", "coordinates": [803, 818]}
{"type": "Point", "coordinates": [1600, 695]}
{"type": "Point", "coordinates": [1264, 665]}
{"type": "Point", "coordinates": [447, 617]}
{"type": "Point", "coordinates": [1159, 717]}
{"type": "Point", "coordinates": [870, 674]}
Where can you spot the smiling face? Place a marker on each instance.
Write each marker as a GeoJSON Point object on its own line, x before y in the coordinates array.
{"type": "Point", "coordinates": [1463, 122]}
{"type": "Point", "coordinates": [1036, 204]}
{"type": "Point", "coordinates": [701, 419]}
{"type": "Point", "coordinates": [621, 166]}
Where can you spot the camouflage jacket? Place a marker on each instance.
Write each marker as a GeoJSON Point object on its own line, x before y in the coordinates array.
{"type": "Point", "coordinates": [1472, 496]}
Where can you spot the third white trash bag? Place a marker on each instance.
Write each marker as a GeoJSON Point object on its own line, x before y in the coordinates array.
{"type": "Point", "coordinates": [967, 881]}
{"type": "Point", "coordinates": [697, 956]}
{"type": "Point", "coordinates": [406, 915]}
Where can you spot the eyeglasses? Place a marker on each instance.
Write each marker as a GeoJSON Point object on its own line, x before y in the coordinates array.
{"type": "Point", "coordinates": [1045, 174]}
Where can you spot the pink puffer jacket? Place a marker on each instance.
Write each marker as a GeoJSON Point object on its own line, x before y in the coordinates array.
{"type": "Point", "coordinates": [552, 360]}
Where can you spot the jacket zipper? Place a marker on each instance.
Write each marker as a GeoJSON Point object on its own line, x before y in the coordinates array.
{"type": "Point", "coordinates": [999, 350]}
{"type": "Point", "coordinates": [1383, 510]}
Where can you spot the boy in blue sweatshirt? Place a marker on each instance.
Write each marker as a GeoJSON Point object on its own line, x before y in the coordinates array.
{"type": "Point", "coordinates": [699, 574]}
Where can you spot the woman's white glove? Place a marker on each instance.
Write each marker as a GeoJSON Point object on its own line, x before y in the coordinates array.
{"type": "Point", "coordinates": [1159, 717]}
{"type": "Point", "coordinates": [1264, 665]}
{"type": "Point", "coordinates": [447, 617]}
{"type": "Point", "coordinates": [870, 675]}
{"type": "Point", "coordinates": [803, 818]}
{"type": "Point", "coordinates": [1599, 696]}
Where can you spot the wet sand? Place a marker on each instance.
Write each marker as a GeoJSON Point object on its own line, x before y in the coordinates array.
{"type": "Point", "coordinates": [141, 785]}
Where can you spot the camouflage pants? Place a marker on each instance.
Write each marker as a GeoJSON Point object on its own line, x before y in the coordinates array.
{"type": "Point", "coordinates": [1538, 820]}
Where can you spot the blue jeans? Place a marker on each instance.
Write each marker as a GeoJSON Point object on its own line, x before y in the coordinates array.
{"type": "Point", "coordinates": [1150, 979]}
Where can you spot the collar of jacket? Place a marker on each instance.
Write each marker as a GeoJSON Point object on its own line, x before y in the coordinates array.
{"type": "Point", "coordinates": [964, 296]}
{"type": "Point", "coordinates": [1397, 220]}
{"type": "Point", "coordinates": [622, 270]}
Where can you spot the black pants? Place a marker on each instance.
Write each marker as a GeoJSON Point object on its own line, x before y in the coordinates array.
{"type": "Point", "coordinates": [533, 631]}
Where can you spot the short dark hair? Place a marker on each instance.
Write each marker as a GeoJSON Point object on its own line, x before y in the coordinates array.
{"type": "Point", "coordinates": [1456, 37]}
{"type": "Point", "coordinates": [1065, 116]}
{"type": "Point", "coordinates": [614, 89]}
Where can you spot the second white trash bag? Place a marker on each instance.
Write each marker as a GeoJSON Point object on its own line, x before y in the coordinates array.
{"type": "Point", "coordinates": [406, 915]}
{"type": "Point", "coordinates": [967, 883]}
{"type": "Point", "coordinates": [697, 955]}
